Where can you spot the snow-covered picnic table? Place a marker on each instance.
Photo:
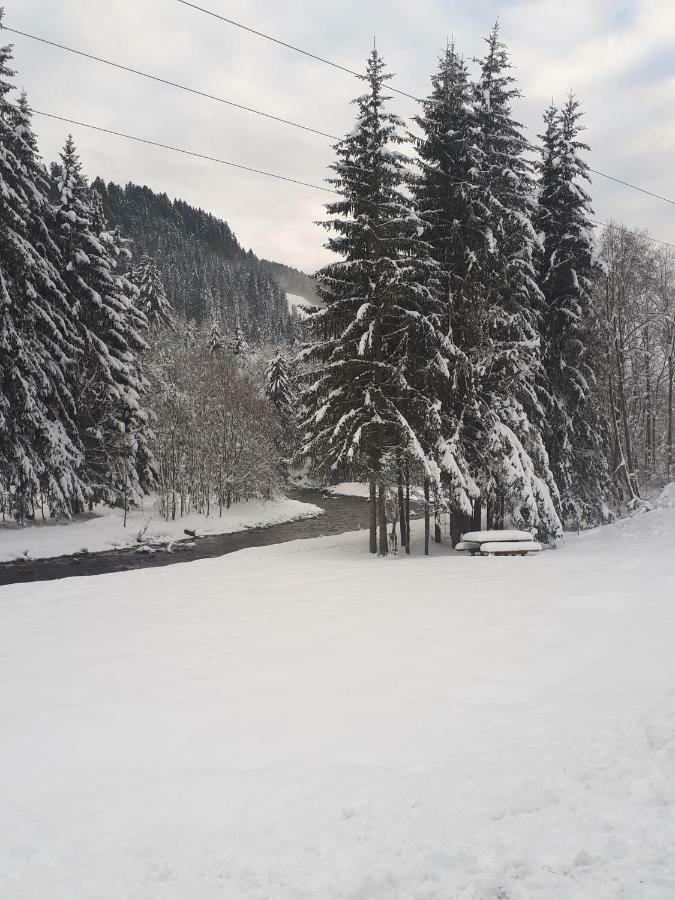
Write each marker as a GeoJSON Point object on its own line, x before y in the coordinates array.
{"type": "Point", "coordinates": [498, 542]}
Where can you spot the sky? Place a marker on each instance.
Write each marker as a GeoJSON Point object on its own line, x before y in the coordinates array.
{"type": "Point", "coordinates": [617, 55]}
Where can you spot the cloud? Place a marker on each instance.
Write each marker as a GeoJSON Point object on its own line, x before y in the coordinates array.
{"type": "Point", "coordinates": [616, 55]}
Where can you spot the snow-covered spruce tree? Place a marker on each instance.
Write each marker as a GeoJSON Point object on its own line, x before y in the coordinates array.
{"type": "Point", "coordinates": [39, 451]}
{"type": "Point", "coordinates": [107, 377]}
{"type": "Point", "coordinates": [575, 435]}
{"type": "Point", "coordinates": [508, 453]}
{"type": "Point", "coordinates": [152, 300]}
{"type": "Point", "coordinates": [215, 340]}
{"type": "Point", "coordinates": [445, 194]}
{"type": "Point", "coordinates": [240, 346]}
{"type": "Point", "coordinates": [279, 390]}
{"type": "Point", "coordinates": [278, 386]}
{"type": "Point", "coordinates": [376, 352]}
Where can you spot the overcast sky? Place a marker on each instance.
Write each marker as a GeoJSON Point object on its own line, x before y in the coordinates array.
{"type": "Point", "coordinates": [617, 55]}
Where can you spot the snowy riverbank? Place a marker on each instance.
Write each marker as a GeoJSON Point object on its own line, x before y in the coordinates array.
{"type": "Point", "coordinates": [304, 721]}
{"type": "Point", "coordinates": [104, 528]}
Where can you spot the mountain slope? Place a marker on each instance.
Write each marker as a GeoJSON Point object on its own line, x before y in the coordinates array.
{"type": "Point", "coordinates": [207, 274]}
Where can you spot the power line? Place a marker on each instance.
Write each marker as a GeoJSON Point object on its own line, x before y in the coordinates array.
{"type": "Point", "coordinates": [633, 186]}
{"type": "Point", "coordinates": [214, 159]}
{"type": "Point", "coordinates": [259, 112]}
{"type": "Point", "coordinates": [224, 162]}
{"type": "Point", "coordinates": [281, 43]}
{"type": "Point", "coordinates": [335, 65]}
{"type": "Point", "coordinates": [174, 84]}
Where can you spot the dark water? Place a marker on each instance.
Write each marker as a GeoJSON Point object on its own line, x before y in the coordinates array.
{"type": "Point", "coordinates": [341, 514]}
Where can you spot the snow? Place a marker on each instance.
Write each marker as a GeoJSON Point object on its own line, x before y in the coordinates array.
{"type": "Point", "coordinates": [349, 489]}
{"type": "Point", "coordinates": [519, 546]}
{"type": "Point", "coordinates": [295, 301]}
{"type": "Point", "coordinates": [305, 721]}
{"type": "Point", "coordinates": [503, 534]}
{"type": "Point", "coordinates": [104, 529]}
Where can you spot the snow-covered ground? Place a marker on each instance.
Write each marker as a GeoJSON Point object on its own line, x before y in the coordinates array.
{"type": "Point", "coordinates": [104, 528]}
{"type": "Point", "coordinates": [348, 489]}
{"type": "Point", "coordinates": [304, 721]}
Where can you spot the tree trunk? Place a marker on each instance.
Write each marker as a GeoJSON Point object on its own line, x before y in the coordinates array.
{"type": "Point", "coordinates": [407, 510]}
{"type": "Point", "coordinates": [401, 508]}
{"type": "Point", "coordinates": [373, 514]}
{"type": "Point", "coordinates": [382, 519]}
{"type": "Point", "coordinates": [477, 517]}
{"type": "Point", "coordinates": [426, 517]}
{"type": "Point", "coordinates": [490, 513]}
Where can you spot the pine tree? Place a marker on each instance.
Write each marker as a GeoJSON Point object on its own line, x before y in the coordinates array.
{"type": "Point", "coordinates": [241, 346]}
{"type": "Point", "coordinates": [39, 451]}
{"type": "Point", "coordinates": [107, 378]}
{"type": "Point", "coordinates": [278, 387]}
{"type": "Point", "coordinates": [152, 299]}
{"type": "Point", "coordinates": [215, 341]}
{"type": "Point", "coordinates": [510, 382]}
{"type": "Point", "coordinates": [445, 194]}
{"type": "Point", "coordinates": [575, 433]}
{"type": "Point", "coordinates": [376, 354]}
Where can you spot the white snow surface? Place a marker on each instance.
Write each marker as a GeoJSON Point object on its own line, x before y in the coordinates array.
{"type": "Point", "coordinates": [104, 528]}
{"type": "Point", "coordinates": [349, 489]}
{"type": "Point", "coordinates": [505, 534]}
{"type": "Point", "coordinates": [305, 721]}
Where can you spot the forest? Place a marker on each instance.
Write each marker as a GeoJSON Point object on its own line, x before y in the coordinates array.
{"type": "Point", "coordinates": [477, 337]}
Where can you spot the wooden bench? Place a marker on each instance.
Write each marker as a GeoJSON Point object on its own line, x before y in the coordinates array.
{"type": "Point", "coordinates": [502, 542]}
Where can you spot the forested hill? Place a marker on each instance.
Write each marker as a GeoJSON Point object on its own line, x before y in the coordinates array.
{"type": "Point", "coordinates": [207, 274]}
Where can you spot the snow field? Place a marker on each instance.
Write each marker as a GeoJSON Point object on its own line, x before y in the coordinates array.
{"type": "Point", "coordinates": [307, 722]}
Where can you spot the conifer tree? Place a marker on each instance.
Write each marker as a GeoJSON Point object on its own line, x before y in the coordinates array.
{"type": "Point", "coordinates": [510, 382]}
{"type": "Point", "coordinates": [240, 347]}
{"type": "Point", "coordinates": [575, 433]}
{"type": "Point", "coordinates": [444, 190]}
{"type": "Point", "coordinates": [152, 300]}
{"type": "Point", "coordinates": [107, 377]}
{"type": "Point", "coordinates": [39, 450]}
{"type": "Point", "coordinates": [376, 355]}
{"type": "Point", "coordinates": [278, 387]}
{"type": "Point", "coordinates": [215, 341]}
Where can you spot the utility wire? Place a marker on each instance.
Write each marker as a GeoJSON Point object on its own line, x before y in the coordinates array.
{"type": "Point", "coordinates": [633, 186]}
{"type": "Point", "coordinates": [224, 162]}
{"type": "Point", "coordinates": [335, 65]}
{"type": "Point", "coordinates": [214, 159]}
{"type": "Point", "coordinates": [274, 40]}
{"type": "Point", "coordinates": [174, 84]}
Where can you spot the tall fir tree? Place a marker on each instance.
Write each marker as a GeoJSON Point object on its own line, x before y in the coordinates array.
{"type": "Point", "coordinates": [444, 190]}
{"type": "Point", "coordinates": [39, 450]}
{"type": "Point", "coordinates": [215, 340]}
{"type": "Point", "coordinates": [510, 384]}
{"type": "Point", "coordinates": [576, 436]}
{"type": "Point", "coordinates": [377, 350]}
{"type": "Point", "coordinates": [152, 300]}
{"type": "Point", "coordinates": [278, 388]}
{"type": "Point", "coordinates": [107, 378]}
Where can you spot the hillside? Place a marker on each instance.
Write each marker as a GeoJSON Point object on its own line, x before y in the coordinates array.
{"type": "Point", "coordinates": [207, 273]}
